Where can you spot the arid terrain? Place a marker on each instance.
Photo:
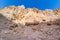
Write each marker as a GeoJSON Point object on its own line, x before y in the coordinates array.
{"type": "Point", "coordinates": [19, 23]}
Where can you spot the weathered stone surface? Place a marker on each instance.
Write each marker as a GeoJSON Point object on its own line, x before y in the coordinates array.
{"type": "Point", "coordinates": [19, 23]}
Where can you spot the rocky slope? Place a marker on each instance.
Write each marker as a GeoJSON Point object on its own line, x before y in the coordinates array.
{"type": "Point", "coordinates": [20, 23]}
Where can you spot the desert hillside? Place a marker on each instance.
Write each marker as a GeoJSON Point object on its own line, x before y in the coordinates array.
{"type": "Point", "coordinates": [23, 15]}
{"type": "Point", "coordinates": [20, 23]}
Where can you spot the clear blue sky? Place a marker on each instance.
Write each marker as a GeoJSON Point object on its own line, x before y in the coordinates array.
{"type": "Point", "coordinates": [40, 4]}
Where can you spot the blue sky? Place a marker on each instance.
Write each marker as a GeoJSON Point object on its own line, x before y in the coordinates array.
{"type": "Point", "coordinates": [40, 4]}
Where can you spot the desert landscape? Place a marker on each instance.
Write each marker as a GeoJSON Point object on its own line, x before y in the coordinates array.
{"type": "Point", "coordinates": [20, 23]}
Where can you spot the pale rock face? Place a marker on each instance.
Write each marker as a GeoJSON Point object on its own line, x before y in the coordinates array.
{"type": "Point", "coordinates": [30, 15]}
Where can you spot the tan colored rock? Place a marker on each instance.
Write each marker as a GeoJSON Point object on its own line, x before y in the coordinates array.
{"type": "Point", "coordinates": [21, 15]}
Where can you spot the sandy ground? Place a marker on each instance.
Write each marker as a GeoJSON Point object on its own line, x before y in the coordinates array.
{"type": "Point", "coordinates": [42, 31]}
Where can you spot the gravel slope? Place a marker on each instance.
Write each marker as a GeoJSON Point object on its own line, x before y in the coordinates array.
{"type": "Point", "coordinates": [18, 23]}
{"type": "Point", "coordinates": [42, 31]}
